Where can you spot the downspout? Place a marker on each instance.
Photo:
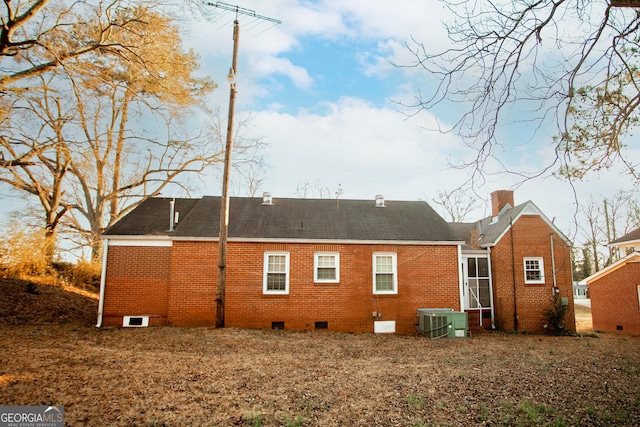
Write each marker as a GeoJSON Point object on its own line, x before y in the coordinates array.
{"type": "Point", "coordinates": [103, 281]}
{"type": "Point", "coordinates": [493, 315]}
{"type": "Point", "coordinates": [513, 271]}
{"type": "Point", "coordinates": [553, 264]}
{"type": "Point", "coordinates": [461, 277]}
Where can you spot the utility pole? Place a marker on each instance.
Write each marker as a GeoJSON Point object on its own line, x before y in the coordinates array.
{"type": "Point", "coordinates": [224, 199]}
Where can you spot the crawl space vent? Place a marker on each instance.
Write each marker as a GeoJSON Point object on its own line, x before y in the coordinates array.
{"type": "Point", "coordinates": [135, 321]}
{"type": "Point", "coordinates": [277, 325]}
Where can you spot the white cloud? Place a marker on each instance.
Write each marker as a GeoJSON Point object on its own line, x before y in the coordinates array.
{"type": "Point", "coordinates": [348, 141]}
{"type": "Point", "coordinates": [368, 150]}
{"type": "Point", "coordinates": [267, 66]}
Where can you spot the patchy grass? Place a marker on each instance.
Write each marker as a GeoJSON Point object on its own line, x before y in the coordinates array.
{"type": "Point", "coordinates": [51, 354]}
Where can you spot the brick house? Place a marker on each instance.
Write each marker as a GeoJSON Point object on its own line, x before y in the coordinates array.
{"type": "Point", "coordinates": [512, 264]}
{"type": "Point", "coordinates": [341, 265]}
{"type": "Point", "coordinates": [347, 265]}
{"type": "Point", "coordinates": [615, 290]}
{"type": "Point", "coordinates": [629, 242]}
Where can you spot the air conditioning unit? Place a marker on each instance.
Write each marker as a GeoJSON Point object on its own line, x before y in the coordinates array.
{"type": "Point", "coordinates": [442, 322]}
{"type": "Point", "coordinates": [459, 326]}
{"type": "Point", "coordinates": [434, 321]}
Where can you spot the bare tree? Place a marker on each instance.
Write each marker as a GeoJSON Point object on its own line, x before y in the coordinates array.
{"type": "Point", "coordinates": [604, 220]}
{"type": "Point", "coordinates": [254, 179]}
{"type": "Point", "coordinates": [592, 230]}
{"type": "Point", "coordinates": [37, 135]}
{"type": "Point", "coordinates": [456, 204]}
{"type": "Point", "coordinates": [307, 189]}
{"type": "Point", "coordinates": [102, 133]}
{"type": "Point", "coordinates": [571, 64]}
{"type": "Point", "coordinates": [633, 220]}
{"type": "Point", "coordinates": [303, 190]}
{"type": "Point", "coordinates": [38, 36]}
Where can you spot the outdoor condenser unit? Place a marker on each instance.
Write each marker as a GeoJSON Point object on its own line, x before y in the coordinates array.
{"type": "Point", "coordinates": [442, 322]}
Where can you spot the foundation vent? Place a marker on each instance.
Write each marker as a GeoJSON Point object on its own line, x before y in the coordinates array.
{"type": "Point", "coordinates": [135, 321]}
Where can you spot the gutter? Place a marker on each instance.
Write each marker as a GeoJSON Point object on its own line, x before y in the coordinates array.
{"type": "Point", "coordinates": [103, 281]}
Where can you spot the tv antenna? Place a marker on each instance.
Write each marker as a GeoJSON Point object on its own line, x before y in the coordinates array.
{"type": "Point", "coordinates": [224, 199]}
{"type": "Point", "coordinates": [242, 11]}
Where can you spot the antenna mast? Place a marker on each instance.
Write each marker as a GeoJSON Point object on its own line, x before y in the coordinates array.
{"type": "Point", "coordinates": [242, 10]}
{"type": "Point", "coordinates": [224, 199]}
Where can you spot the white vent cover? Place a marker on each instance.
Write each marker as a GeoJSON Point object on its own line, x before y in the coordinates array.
{"type": "Point", "coordinates": [135, 321]}
{"type": "Point", "coordinates": [384, 327]}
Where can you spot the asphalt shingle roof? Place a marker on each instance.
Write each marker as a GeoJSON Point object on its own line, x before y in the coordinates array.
{"type": "Point", "coordinates": [291, 219]}
{"type": "Point", "coordinates": [490, 229]}
{"type": "Point", "coordinates": [629, 237]}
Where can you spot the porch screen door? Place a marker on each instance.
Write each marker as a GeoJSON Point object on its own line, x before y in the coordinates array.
{"type": "Point", "coordinates": [477, 291]}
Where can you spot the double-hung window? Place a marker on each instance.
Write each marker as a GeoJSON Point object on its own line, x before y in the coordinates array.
{"type": "Point", "coordinates": [533, 271]}
{"type": "Point", "coordinates": [326, 267]}
{"type": "Point", "coordinates": [276, 273]}
{"type": "Point", "coordinates": [385, 274]}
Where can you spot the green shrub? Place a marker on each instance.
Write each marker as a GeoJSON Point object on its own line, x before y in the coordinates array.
{"type": "Point", "coordinates": [556, 315]}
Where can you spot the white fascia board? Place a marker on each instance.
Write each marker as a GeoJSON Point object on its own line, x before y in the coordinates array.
{"type": "Point", "coordinates": [625, 244]}
{"type": "Point", "coordinates": [167, 241]}
{"type": "Point", "coordinates": [485, 251]}
{"type": "Point", "coordinates": [196, 239]}
{"type": "Point", "coordinates": [159, 241]}
{"type": "Point", "coordinates": [632, 257]}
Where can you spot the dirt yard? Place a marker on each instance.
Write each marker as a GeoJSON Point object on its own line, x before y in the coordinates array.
{"type": "Point", "coordinates": [226, 377]}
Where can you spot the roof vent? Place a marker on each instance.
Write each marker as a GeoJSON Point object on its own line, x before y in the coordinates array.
{"type": "Point", "coordinates": [379, 201]}
{"type": "Point", "coordinates": [172, 214]}
{"type": "Point", "coordinates": [267, 199]}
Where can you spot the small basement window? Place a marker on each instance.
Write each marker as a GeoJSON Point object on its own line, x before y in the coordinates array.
{"type": "Point", "coordinates": [322, 325]}
{"type": "Point", "coordinates": [277, 325]}
{"type": "Point", "coordinates": [135, 321]}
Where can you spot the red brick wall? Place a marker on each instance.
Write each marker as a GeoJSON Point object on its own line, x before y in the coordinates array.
{"type": "Point", "coordinates": [532, 239]}
{"type": "Point", "coordinates": [137, 284]}
{"type": "Point", "coordinates": [194, 283]}
{"type": "Point", "coordinates": [182, 286]}
{"type": "Point", "coordinates": [614, 300]}
{"type": "Point", "coordinates": [427, 277]}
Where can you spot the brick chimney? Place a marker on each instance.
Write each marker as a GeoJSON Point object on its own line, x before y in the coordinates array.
{"type": "Point", "coordinates": [499, 199]}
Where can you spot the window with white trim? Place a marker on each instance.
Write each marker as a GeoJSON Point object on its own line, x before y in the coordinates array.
{"type": "Point", "coordinates": [533, 270]}
{"type": "Point", "coordinates": [276, 273]}
{"type": "Point", "coordinates": [326, 267]}
{"type": "Point", "coordinates": [385, 275]}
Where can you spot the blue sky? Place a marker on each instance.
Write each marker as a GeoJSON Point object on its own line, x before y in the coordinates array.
{"type": "Point", "coordinates": [320, 89]}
